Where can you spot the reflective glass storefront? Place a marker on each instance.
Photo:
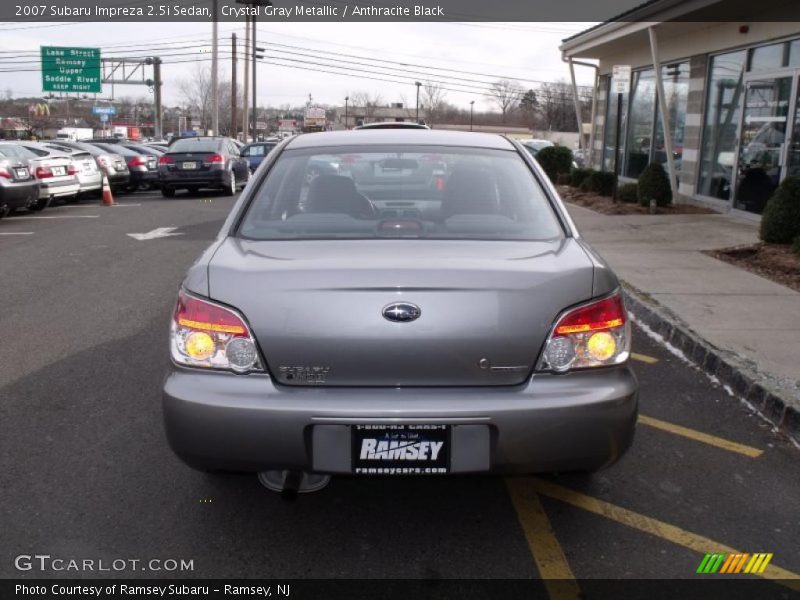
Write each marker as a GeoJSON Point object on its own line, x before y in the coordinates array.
{"type": "Point", "coordinates": [642, 131]}
{"type": "Point", "coordinates": [751, 136]}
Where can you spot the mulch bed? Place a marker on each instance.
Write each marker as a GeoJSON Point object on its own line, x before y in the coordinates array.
{"type": "Point", "coordinates": [776, 262]}
{"type": "Point", "coordinates": [607, 206]}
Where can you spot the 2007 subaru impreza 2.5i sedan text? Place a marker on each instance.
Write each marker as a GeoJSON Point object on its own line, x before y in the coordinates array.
{"type": "Point", "coordinates": [422, 305]}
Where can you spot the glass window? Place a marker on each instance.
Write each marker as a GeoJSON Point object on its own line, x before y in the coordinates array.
{"type": "Point", "coordinates": [640, 122]}
{"type": "Point", "coordinates": [610, 128]}
{"type": "Point", "coordinates": [722, 115]}
{"type": "Point", "coordinates": [675, 79]}
{"type": "Point", "coordinates": [794, 54]}
{"type": "Point", "coordinates": [768, 57]}
{"type": "Point", "coordinates": [195, 145]}
{"type": "Point", "coordinates": [373, 192]}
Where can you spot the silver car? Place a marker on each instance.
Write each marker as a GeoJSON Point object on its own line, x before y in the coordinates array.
{"type": "Point", "coordinates": [56, 174]}
{"type": "Point", "coordinates": [424, 307]}
{"type": "Point", "coordinates": [90, 179]}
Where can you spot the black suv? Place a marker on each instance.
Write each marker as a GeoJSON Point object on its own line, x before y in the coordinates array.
{"type": "Point", "coordinates": [202, 162]}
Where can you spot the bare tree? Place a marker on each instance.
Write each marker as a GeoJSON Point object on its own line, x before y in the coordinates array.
{"type": "Point", "coordinates": [506, 95]}
{"type": "Point", "coordinates": [434, 101]}
{"type": "Point", "coordinates": [366, 101]}
{"type": "Point", "coordinates": [196, 94]}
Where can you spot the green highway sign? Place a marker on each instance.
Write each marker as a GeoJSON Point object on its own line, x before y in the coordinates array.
{"type": "Point", "coordinates": [71, 69]}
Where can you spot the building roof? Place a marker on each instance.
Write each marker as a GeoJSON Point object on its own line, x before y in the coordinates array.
{"type": "Point", "coordinates": [620, 17]}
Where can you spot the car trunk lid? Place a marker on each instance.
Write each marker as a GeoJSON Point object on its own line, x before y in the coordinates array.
{"type": "Point", "coordinates": [316, 307]}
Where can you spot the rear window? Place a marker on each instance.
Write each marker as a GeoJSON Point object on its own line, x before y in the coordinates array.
{"type": "Point", "coordinates": [400, 192]}
{"type": "Point", "coordinates": [16, 152]}
{"type": "Point", "coordinates": [190, 145]}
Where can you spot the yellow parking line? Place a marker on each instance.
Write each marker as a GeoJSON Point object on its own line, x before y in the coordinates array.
{"type": "Point", "coordinates": [660, 529]}
{"type": "Point", "coordinates": [545, 549]}
{"type": "Point", "coordinates": [644, 358]}
{"type": "Point", "coordinates": [699, 436]}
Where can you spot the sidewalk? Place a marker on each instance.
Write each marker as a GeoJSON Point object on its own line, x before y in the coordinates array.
{"type": "Point", "coordinates": [746, 318]}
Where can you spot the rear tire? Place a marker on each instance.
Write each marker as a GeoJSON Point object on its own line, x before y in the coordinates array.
{"type": "Point", "coordinates": [168, 192]}
{"type": "Point", "coordinates": [230, 190]}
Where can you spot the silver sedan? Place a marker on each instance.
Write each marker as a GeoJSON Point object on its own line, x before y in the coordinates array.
{"type": "Point", "coordinates": [423, 306]}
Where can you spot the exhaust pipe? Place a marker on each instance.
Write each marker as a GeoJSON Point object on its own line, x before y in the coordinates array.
{"type": "Point", "coordinates": [290, 483]}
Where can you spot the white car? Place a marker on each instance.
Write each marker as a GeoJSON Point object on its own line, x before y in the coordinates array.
{"type": "Point", "coordinates": [57, 176]}
{"type": "Point", "coordinates": [90, 179]}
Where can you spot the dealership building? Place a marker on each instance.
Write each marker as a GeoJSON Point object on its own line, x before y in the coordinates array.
{"type": "Point", "coordinates": [717, 103]}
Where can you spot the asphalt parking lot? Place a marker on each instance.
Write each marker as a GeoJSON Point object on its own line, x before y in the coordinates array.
{"type": "Point", "coordinates": [86, 471]}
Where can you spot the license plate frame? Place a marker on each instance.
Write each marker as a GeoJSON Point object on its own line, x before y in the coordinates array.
{"type": "Point", "coordinates": [22, 173]}
{"type": "Point", "coordinates": [59, 171]}
{"type": "Point", "coordinates": [189, 165]}
{"type": "Point", "coordinates": [395, 449]}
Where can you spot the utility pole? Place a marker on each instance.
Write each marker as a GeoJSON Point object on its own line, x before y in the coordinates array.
{"type": "Point", "coordinates": [234, 125]}
{"type": "Point", "coordinates": [214, 69]}
{"type": "Point", "coordinates": [253, 58]}
{"type": "Point", "coordinates": [246, 91]}
{"type": "Point", "coordinates": [157, 128]}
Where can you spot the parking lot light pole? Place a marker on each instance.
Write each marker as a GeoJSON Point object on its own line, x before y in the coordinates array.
{"type": "Point", "coordinates": [471, 106]}
{"type": "Point", "coordinates": [346, 99]}
{"type": "Point", "coordinates": [417, 83]}
{"type": "Point", "coordinates": [214, 71]}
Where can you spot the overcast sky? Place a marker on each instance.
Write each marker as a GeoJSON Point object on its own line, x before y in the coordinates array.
{"type": "Point", "coordinates": [528, 51]}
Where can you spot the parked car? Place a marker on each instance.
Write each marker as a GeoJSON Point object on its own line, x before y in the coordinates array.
{"type": "Point", "coordinates": [18, 188]}
{"type": "Point", "coordinates": [143, 167]}
{"type": "Point", "coordinates": [57, 175]}
{"type": "Point", "coordinates": [90, 179]}
{"type": "Point", "coordinates": [114, 165]}
{"type": "Point", "coordinates": [392, 125]}
{"type": "Point", "coordinates": [354, 327]}
{"type": "Point", "coordinates": [202, 162]}
{"type": "Point", "coordinates": [145, 149]}
{"type": "Point", "coordinates": [255, 153]}
{"type": "Point", "coordinates": [534, 146]}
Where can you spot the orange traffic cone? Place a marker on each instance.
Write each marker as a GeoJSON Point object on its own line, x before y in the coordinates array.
{"type": "Point", "coordinates": [108, 198]}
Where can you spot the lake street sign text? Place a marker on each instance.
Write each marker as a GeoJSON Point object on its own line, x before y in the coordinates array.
{"type": "Point", "coordinates": [71, 69]}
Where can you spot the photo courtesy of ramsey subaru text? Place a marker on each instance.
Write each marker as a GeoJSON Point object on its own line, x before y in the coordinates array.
{"type": "Point", "coordinates": [399, 302]}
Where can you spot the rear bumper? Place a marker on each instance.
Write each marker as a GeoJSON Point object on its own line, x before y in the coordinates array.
{"type": "Point", "coordinates": [183, 179]}
{"type": "Point", "coordinates": [144, 177]}
{"type": "Point", "coordinates": [90, 181]}
{"type": "Point", "coordinates": [58, 188]}
{"type": "Point", "coordinates": [19, 195]}
{"type": "Point", "coordinates": [582, 420]}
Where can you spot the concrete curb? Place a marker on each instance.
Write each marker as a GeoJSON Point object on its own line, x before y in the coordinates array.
{"type": "Point", "coordinates": [772, 398]}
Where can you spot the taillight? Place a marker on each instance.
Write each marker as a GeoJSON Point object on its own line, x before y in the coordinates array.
{"type": "Point", "coordinates": [102, 160]}
{"type": "Point", "coordinates": [71, 170]}
{"type": "Point", "coordinates": [43, 172]}
{"type": "Point", "coordinates": [216, 158]}
{"type": "Point", "coordinates": [596, 334]}
{"type": "Point", "coordinates": [439, 183]}
{"type": "Point", "coordinates": [165, 160]}
{"type": "Point", "coordinates": [206, 334]}
{"type": "Point", "coordinates": [5, 172]}
{"type": "Point", "coordinates": [137, 161]}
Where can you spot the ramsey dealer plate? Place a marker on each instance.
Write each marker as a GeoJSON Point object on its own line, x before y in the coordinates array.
{"type": "Point", "coordinates": [400, 449]}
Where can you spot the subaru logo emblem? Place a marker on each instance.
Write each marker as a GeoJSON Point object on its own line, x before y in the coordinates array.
{"type": "Point", "coordinates": [401, 312]}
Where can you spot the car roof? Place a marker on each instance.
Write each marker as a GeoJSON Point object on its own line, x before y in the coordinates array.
{"type": "Point", "coordinates": [411, 137]}
{"type": "Point", "coordinates": [392, 125]}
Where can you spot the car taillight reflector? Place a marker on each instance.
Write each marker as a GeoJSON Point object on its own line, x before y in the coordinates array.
{"type": "Point", "coordinates": [195, 314]}
{"type": "Point", "coordinates": [71, 170]}
{"type": "Point", "coordinates": [102, 160]}
{"type": "Point", "coordinates": [4, 172]}
{"type": "Point", "coordinates": [216, 158]}
{"type": "Point", "coordinates": [165, 160]}
{"type": "Point", "coordinates": [137, 161]}
{"type": "Point", "coordinates": [600, 316]}
{"type": "Point", "coordinates": [43, 172]}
